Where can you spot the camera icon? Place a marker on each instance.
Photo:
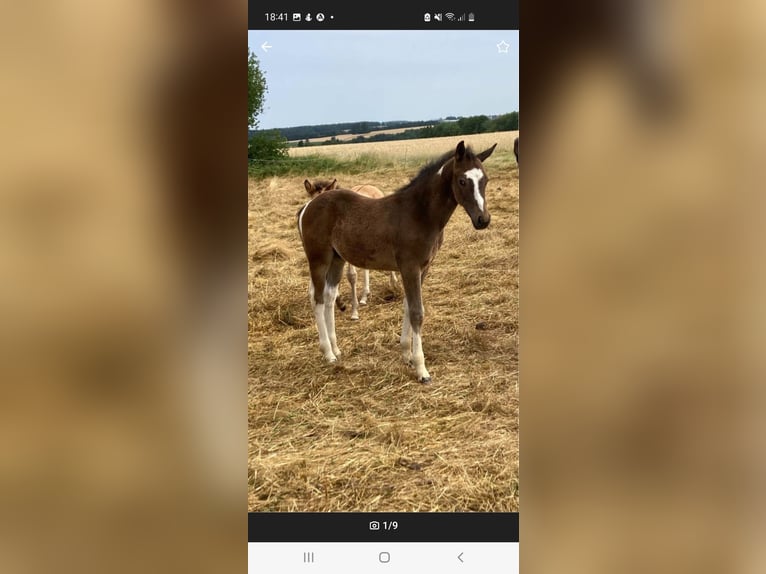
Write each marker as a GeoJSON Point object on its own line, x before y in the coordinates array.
{"type": "Point", "coordinates": [374, 525]}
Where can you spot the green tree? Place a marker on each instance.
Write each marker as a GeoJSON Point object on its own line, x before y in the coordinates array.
{"type": "Point", "coordinates": [506, 122]}
{"type": "Point", "coordinates": [256, 89]}
{"type": "Point", "coordinates": [261, 146]}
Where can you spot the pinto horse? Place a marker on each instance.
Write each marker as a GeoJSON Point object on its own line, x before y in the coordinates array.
{"type": "Point", "coordinates": [317, 187]}
{"type": "Point", "coordinates": [399, 232]}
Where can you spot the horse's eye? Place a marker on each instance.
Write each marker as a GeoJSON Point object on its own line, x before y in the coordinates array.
{"type": "Point", "coordinates": [462, 181]}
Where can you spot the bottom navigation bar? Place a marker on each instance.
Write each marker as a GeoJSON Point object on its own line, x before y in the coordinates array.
{"type": "Point", "coordinates": [392, 557]}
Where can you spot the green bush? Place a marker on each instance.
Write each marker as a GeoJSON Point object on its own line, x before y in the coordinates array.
{"type": "Point", "coordinates": [265, 146]}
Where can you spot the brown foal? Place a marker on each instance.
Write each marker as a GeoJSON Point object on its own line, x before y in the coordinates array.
{"type": "Point", "coordinates": [399, 232]}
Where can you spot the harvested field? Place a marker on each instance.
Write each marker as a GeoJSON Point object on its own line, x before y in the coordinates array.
{"type": "Point", "coordinates": [414, 152]}
{"type": "Point", "coordinates": [363, 434]}
{"type": "Point", "coordinates": [346, 137]}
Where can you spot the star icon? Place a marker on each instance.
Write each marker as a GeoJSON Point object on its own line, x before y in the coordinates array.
{"type": "Point", "coordinates": [502, 47]}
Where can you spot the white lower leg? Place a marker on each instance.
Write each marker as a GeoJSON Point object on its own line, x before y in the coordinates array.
{"type": "Point", "coordinates": [324, 340]}
{"type": "Point", "coordinates": [405, 342]}
{"type": "Point", "coordinates": [366, 291]}
{"type": "Point", "coordinates": [392, 281]}
{"type": "Point", "coordinates": [330, 294]}
{"type": "Point", "coordinates": [418, 359]}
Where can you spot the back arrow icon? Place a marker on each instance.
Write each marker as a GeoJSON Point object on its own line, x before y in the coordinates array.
{"type": "Point", "coordinates": [460, 556]}
{"type": "Point", "coordinates": [266, 46]}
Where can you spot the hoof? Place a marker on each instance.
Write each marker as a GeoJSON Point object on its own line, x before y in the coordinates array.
{"type": "Point", "coordinates": [363, 302]}
{"type": "Point", "coordinates": [355, 318]}
{"type": "Point", "coordinates": [425, 380]}
{"type": "Point", "coordinates": [331, 358]}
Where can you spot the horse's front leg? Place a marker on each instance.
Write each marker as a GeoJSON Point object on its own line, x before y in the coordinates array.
{"type": "Point", "coordinates": [414, 304]}
{"type": "Point", "coordinates": [405, 342]}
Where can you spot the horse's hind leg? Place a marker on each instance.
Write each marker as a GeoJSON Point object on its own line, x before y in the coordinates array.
{"type": "Point", "coordinates": [351, 276]}
{"type": "Point", "coordinates": [334, 274]}
{"type": "Point", "coordinates": [392, 281]}
{"type": "Point", "coordinates": [317, 290]}
{"type": "Point", "coordinates": [366, 291]}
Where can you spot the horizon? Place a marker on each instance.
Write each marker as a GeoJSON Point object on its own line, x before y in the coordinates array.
{"type": "Point", "coordinates": [424, 122]}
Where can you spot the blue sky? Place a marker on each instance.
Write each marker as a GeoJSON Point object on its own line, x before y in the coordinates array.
{"type": "Point", "coordinates": [331, 76]}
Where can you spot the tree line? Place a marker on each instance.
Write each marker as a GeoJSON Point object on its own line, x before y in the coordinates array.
{"type": "Point", "coordinates": [298, 133]}
{"type": "Point", "coordinates": [459, 126]}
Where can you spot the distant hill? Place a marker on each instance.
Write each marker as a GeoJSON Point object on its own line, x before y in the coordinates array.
{"type": "Point", "coordinates": [328, 130]}
{"type": "Point", "coordinates": [394, 130]}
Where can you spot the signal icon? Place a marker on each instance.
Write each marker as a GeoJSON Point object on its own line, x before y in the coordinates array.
{"type": "Point", "coordinates": [461, 18]}
{"type": "Point", "coordinates": [450, 16]}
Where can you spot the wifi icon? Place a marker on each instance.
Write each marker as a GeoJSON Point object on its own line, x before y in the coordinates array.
{"type": "Point", "coordinates": [450, 16]}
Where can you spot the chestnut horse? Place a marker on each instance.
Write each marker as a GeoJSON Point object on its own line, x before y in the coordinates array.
{"type": "Point", "coordinates": [399, 232]}
{"type": "Point", "coordinates": [373, 192]}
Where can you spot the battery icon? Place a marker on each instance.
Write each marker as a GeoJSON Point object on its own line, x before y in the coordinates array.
{"type": "Point", "coordinates": [471, 17]}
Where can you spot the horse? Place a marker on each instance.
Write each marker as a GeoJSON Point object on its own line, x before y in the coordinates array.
{"type": "Point", "coordinates": [516, 149]}
{"type": "Point", "coordinates": [319, 186]}
{"type": "Point", "coordinates": [401, 232]}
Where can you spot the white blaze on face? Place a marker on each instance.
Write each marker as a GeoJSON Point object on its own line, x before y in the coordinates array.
{"type": "Point", "coordinates": [475, 176]}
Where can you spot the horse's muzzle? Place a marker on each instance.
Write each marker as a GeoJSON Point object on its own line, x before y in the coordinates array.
{"type": "Point", "coordinates": [481, 222]}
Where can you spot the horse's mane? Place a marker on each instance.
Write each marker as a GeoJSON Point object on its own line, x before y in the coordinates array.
{"type": "Point", "coordinates": [431, 168]}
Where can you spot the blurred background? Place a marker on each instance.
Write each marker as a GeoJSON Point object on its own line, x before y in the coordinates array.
{"type": "Point", "coordinates": [642, 329]}
{"type": "Point", "coordinates": [122, 287]}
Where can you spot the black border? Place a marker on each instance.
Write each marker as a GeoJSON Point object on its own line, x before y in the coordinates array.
{"type": "Point", "coordinates": [361, 16]}
{"type": "Point", "coordinates": [355, 527]}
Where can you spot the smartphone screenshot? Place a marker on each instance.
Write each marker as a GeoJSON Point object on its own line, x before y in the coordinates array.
{"type": "Point", "coordinates": [383, 288]}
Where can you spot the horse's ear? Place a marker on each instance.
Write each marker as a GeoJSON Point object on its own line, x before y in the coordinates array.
{"type": "Point", "coordinates": [309, 188]}
{"type": "Point", "coordinates": [333, 185]}
{"type": "Point", "coordinates": [486, 153]}
{"type": "Point", "coordinates": [460, 150]}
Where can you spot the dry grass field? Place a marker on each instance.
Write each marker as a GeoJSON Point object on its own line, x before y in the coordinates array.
{"type": "Point", "coordinates": [363, 434]}
{"type": "Point", "coordinates": [413, 153]}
